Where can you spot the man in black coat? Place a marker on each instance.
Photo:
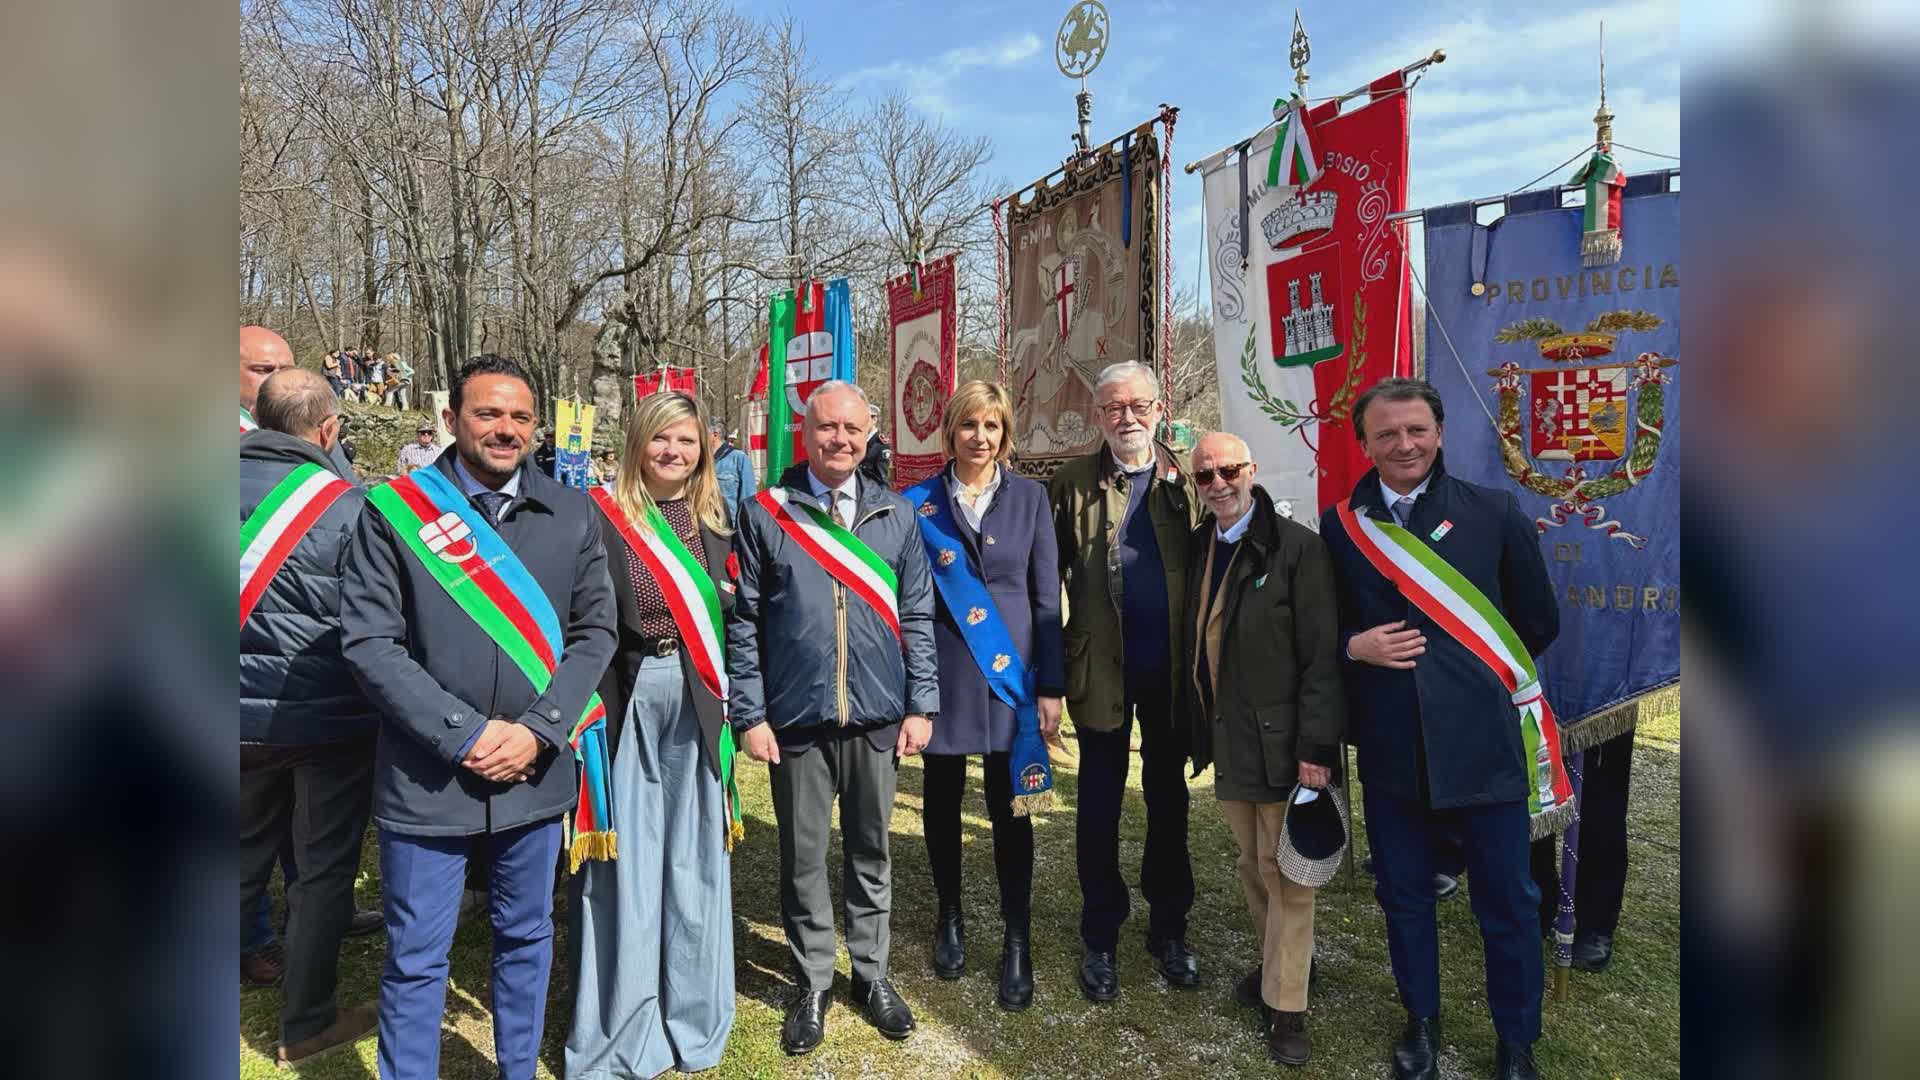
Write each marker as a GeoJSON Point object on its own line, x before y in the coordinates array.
{"type": "Point", "coordinates": [1437, 732]}
{"type": "Point", "coordinates": [471, 755]}
{"type": "Point", "coordinates": [831, 696]}
{"type": "Point", "coordinates": [306, 730]}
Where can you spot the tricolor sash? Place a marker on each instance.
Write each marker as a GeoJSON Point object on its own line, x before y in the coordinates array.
{"type": "Point", "coordinates": [275, 527]}
{"type": "Point", "coordinates": [472, 562]}
{"type": "Point", "coordinates": [840, 553]}
{"type": "Point", "coordinates": [691, 597]}
{"type": "Point", "coordinates": [1458, 606]}
{"type": "Point", "coordinates": [247, 422]}
{"type": "Point", "coordinates": [988, 640]}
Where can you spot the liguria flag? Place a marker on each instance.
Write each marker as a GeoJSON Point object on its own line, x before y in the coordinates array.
{"type": "Point", "coordinates": [812, 332]}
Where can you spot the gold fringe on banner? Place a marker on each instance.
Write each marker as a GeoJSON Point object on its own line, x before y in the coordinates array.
{"type": "Point", "coordinates": [600, 846]}
{"type": "Point", "coordinates": [1028, 805]}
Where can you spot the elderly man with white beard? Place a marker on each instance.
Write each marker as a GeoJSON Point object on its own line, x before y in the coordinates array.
{"type": "Point", "coordinates": [1122, 516]}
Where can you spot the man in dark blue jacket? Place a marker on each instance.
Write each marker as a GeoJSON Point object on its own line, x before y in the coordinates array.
{"type": "Point", "coordinates": [471, 755]}
{"type": "Point", "coordinates": [1438, 735]}
{"type": "Point", "coordinates": [831, 695]}
{"type": "Point", "coordinates": [306, 731]}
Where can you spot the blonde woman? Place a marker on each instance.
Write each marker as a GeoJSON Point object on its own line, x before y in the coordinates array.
{"type": "Point", "coordinates": [652, 934]}
{"type": "Point", "coordinates": [990, 540]}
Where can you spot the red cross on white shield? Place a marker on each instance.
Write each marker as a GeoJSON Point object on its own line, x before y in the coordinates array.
{"type": "Point", "coordinates": [448, 537]}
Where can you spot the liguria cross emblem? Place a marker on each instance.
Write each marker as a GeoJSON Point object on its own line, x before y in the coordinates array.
{"type": "Point", "coordinates": [448, 537]}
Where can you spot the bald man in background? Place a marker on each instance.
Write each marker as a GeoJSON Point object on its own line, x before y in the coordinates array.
{"type": "Point", "coordinates": [262, 352]}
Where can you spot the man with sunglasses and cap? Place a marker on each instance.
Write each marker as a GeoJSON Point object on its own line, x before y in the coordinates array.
{"type": "Point", "coordinates": [422, 451]}
{"type": "Point", "coordinates": [1263, 695]}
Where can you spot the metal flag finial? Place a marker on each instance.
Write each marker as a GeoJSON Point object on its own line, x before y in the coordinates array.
{"type": "Point", "coordinates": [1603, 117]}
{"type": "Point", "coordinates": [1299, 52]}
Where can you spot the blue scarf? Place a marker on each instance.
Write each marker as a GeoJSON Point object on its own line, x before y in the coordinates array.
{"type": "Point", "coordinates": [988, 639]}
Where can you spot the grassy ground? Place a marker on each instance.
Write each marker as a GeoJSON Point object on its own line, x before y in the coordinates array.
{"type": "Point", "coordinates": [1625, 1023]}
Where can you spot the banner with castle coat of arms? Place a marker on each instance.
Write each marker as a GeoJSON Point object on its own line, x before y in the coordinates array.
{"type": "Point", "coordinates": [1579, 369]}
{"type": "Point", "coordinates": [920, 321]}
{"type": "Point", "coordinates": [1083, 294]}
{"type": "Point", "coordinates": [1310, 292]}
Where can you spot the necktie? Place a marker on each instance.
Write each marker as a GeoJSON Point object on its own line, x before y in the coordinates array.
{"type": "Point", "coordinates": [1403, 509]}
{"type": "Point", "coordinates": [834, 511]}
{"type": "Point", "coordinates": [492, 502]}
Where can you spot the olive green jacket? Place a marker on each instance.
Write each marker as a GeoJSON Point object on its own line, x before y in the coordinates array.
{"type": "Point", "coordinates": [1089, 498]}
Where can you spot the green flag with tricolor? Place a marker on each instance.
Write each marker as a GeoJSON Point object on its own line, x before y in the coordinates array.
{"type": "Point", "coordinates": [779, 413]}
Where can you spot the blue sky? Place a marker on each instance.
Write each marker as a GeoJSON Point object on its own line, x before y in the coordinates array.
{"type": "Point", "coordinates": [1515, 97]}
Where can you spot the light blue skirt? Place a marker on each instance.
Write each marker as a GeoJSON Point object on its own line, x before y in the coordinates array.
{"type": "Point", "coordinates": [652, 935]}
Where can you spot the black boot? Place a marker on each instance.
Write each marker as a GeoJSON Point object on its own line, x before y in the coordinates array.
{"type": "Point", "coordinates": [949, 942]}
{"type": "Point", "coordinates": [1514, 1061]}
{"type": "Point", "coordinates": [1016, 970]}
{"type": "Point", "coordinates": [1414, 1055]}
{"type": "Point", "coordinates": [1592, 951]}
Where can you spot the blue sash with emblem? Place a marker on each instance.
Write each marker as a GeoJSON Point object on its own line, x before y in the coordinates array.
{"type": "Point", "coordinates": [987, 638]}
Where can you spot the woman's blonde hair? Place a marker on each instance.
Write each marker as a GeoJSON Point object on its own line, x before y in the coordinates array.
{"type": "Point", "coordinates": [655, 414]}
{"type": "Point", "coordinates": [972, 399]}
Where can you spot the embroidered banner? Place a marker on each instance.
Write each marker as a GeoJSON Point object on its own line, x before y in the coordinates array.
{"type": "Point", "coordinates": [572, 442]}
{"type": "Point", "coordinates": [1562, 385]}
{"type": "Point", "coordinates": [920, 320]}
{"type": "Point", "coordinates": [1311, 301]}
{"type": "Point", "coordinates": [1084, 294]}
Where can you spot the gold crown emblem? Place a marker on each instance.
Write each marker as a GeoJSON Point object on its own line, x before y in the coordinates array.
{"type": "Point", "coordinates": [976, 616]}
{"type": "Point", "coordinates": [1000, 662]}
{"type": "Point", "coordinates": [947, 556]}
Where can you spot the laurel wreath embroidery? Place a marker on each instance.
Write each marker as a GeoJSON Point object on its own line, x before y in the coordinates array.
{"type": "Point", "coordinates": [1285, 412]}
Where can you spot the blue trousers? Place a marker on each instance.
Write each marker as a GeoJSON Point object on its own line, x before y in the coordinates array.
{"type": "Point", "coordinates": [422, 878]}
{"type": "Point", "coordinates": [1404, 835]}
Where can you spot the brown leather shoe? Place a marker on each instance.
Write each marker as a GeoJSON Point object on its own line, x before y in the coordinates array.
{"type": "Point", "coordinates": [349, 1026]}
{"type": "Point", "coordinates": [1287, 1041]}
{"type": "Point", "coordinates": [263, 967]}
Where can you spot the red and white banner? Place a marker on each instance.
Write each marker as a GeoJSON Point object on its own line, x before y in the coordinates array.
{"type": "Point", "coordinates": [1311, 298]}
{"type": "Point", "coordinates": [920, 319]}
{"type": "Point", "coordinates": [664, 381]}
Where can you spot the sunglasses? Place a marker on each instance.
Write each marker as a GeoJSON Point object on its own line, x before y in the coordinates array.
{"type": "Point", "coordinates": [1229, 473]}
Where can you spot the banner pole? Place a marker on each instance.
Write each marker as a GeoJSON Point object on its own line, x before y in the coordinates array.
{"type": "Point", "coordinates": [1439, 56]}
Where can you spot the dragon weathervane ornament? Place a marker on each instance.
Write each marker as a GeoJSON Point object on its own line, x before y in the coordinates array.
{"type": "Point", "coordinates": [1077, 49]}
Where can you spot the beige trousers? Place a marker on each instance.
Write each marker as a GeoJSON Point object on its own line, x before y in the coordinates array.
{"type": "Point", "coordinates": [1282, 911]}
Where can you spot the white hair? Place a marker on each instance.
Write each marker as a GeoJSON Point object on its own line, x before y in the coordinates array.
{"type": "Point", "coordinates": [1126, 370]}
{"type": "Point", "coordinates": [837, 386]}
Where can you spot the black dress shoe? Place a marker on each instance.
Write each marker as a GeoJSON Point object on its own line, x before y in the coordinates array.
{"type": "Point", "coordinates": [1098, 980]}
{"type": "Point", "coordinates": [366, 922]}
{"type": "Point", "coordinates": [1414, 1056]}
{"type": "Point", "coordinates": [949, 943]}
{"type": "Point", "coordinates": [1514, 1061]}
{"type": "Point", "coordinates": [1444, 886]}
{"type": "Point", "coordinates": [1016, 970]}
{"type": "Point", "coordinates": [1592, 952]}
{"type": "Point", "coordinates": [806, 1021]}
{"type": "Point", "coordinates": [885, 1008]}
{"type": "Point", "coordinates": [1176, 962]}
{"type": "Point", "coordinates": [1247, 995]}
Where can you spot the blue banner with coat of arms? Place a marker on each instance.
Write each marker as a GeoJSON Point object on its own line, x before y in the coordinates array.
{"type": "Point", "coordinates": [1562, 385]}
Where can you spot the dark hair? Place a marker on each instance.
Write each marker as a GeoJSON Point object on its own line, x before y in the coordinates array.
{"type": "Point", "coordinates": [485, 364]}
{"type": "Point", "coordinates": [1397, 390]}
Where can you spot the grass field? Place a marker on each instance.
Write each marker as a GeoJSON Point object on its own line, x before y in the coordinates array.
{"type": "Point", "coordinates": [1625, 1023]}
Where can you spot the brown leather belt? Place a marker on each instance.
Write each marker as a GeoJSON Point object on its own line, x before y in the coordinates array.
{"type": "Point", "coordinates": [660, 646]}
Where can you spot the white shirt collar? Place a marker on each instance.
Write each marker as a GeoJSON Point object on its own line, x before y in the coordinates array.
{"type": "Point", "coordinates": [471, 487]}
{"type": "Point", "coordinates": [987, 488]}
{"type": "Point", "coordinates": [1391, 496]}
{"type": "Point", "coordinates": [850, 487]}
{"type": "Point", "coordinates": [1232, 533]}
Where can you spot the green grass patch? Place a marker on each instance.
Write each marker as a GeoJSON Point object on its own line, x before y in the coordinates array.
{"type": "Point", "coordinates": [1625, 1023]}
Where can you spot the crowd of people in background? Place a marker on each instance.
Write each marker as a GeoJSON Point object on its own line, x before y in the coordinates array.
{"type": "Point", "coordinates": [827, 626]}
{"type": "Point", "coordinates": [361, 374]}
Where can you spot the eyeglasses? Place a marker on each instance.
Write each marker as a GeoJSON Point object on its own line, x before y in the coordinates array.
{"type": "Point", "coordinates": [1229, 473]}
{"type": "Point", "coordinates": [1114, 410]}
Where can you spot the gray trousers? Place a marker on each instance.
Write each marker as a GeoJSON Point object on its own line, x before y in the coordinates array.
{"type": "Point", "coordinates": [805, 785]}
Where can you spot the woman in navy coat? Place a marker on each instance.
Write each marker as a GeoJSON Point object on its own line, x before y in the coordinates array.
{"type": "Point", "coordinates": [1007, 527]}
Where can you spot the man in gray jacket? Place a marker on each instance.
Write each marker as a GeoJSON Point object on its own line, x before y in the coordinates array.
{"type": "Point", "coordinates": [306, 731]}
{"type": "Point", "coordinates": [834, 678]}
{"type": "Point", "coordinates": [472, 754]}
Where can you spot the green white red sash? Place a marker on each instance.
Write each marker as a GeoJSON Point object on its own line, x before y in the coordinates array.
{"type": "Point", "coordinates": [247, 422]}
{"type": "Point", "coordinates": [275, 527]}
{"type": "Point", "coordinates": [462, 552]}
{"type": "Point", "coordinates": [840, 553]}
{"type": "Point", "coordinates": [695, 604]}
{"type": "Point", "coordinates": [1458, 607]}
